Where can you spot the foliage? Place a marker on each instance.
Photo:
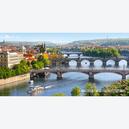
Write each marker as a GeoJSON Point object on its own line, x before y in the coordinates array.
{"type": "Point", "coordinates": [53, 50]}
{"type": "Point", "coordinates": [76, 91]}
{"type": "Point", "coordinates": [120, 88]}
{"type": "Point", "coordinates": [40, 63]}
{"type": "Point", "coordinates": [55, 56]}
{"type": "Point", "coordinates": [101, 52]}
{"type": "Point", "coordinates": [18, 69]}
{"type": "Point", "coordinates": [91, 90]}
{"type": "Point", "coordinates": [37, 65]}
{"type": "Point", "coordinates": [42, 48]}
{"type": "Point", "coordinates": [59, 94]}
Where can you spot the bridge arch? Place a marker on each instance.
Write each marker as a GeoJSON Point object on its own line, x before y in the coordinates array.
{"type": "Point", "coordinates": [114, 72]}
{"type": "Point", "coordinates": [123, 63]}
{"type": "Point", "coordinates": [75, 75]}
{"type": "Point", "coordinates": [73, 55]}
{"type": "Point", "coordinates": [98, 63]}
{"type": "Point", "coordinates": [72, 63]}
{"type": "Point", "coordinates": [106, 76]}
{"type": "Point", "coordinates": [85, 63]}
{"type": "Point", "coordinates": [110, 62]}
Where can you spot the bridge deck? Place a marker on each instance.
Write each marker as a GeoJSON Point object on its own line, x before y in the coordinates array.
{"type": "Point", "coordinates": [120, 71]}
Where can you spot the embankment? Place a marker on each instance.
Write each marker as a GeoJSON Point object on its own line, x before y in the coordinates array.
{"type": "Point", "coordinates": [15, 79]}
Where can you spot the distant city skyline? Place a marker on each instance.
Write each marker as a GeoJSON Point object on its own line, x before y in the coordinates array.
{"type": "Point", "coordinates": [59, 37]}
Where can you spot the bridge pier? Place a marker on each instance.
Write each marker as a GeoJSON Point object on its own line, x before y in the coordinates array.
{"type": "Point", "coordinates": [79, 55]}
{"type": "Point", "coordinates": [66, 64]}
{"type": "Point", "coordinates": [68, 55]}
{"type": "Point", "coordinates": [116, 63]}
{"type": "Point", "coordinates": [32, 76]}
{"type": "Point", "coordinates": [104, 64]}
{"type": "Point", "coordinates": [92, 64]}
{"type": "Point", "coordinates": [123, 77]}
{"type": "Point", "coordinates": [46, 74]}
{"type": "Point", "coordinates": [127, 64]}
{"type": "Point", "coordinates": [91, 77]}
{"type": "Point", "coordinates": [78, 64]}
{"type": "Point", "coordinates": [59, 75]}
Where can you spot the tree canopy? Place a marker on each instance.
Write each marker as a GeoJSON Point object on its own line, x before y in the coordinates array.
{"type": "Point", "coordinates": [91, 90]}
{"type": "Point", "coordinates": [101, 52]}
{"type": "Point", "coordinates": [76, 91]}
{"type": "Point", "coordinates": [18, 69]}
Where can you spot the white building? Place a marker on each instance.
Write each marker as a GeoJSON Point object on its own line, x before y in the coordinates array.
{"type": "Point", "coordinates": [9, 59]}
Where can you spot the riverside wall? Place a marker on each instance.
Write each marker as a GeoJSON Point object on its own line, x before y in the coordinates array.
{"type": "Point", "coordinates": [15, 79]}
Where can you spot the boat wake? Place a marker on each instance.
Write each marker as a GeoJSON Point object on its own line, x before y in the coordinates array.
{"type": "Point", "coordinates": [50, 86]}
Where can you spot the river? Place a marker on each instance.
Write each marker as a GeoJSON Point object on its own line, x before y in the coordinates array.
{"type": "Point", "coordinates": [69, 81]}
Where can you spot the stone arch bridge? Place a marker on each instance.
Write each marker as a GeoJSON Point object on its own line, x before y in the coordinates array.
{"type": "Point", "coordinates": [90, 71]}
{"type": "Point", "coordinates": [64, 62]}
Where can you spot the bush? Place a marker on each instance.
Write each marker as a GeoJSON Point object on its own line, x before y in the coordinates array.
{"type": "Point", "coordinates": [76, 91]}
{"type": "Point", "coordinates": [91, 90]}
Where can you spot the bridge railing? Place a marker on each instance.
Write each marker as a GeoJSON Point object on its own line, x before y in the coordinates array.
{"type": "Point", "coordinates": [93, 68]}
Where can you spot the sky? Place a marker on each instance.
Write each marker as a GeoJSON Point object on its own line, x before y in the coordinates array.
{"type": "Point", "coordinates": [59, 37]}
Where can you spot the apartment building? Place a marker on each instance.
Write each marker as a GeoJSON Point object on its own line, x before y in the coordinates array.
{"type": "Point", "coordinates": [9, 59]}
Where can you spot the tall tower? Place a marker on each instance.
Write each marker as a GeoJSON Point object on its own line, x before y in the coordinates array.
{"type": "Point", "coordinates": [23, 50]}
{"type": "Point", "coordinates": [42, 48]}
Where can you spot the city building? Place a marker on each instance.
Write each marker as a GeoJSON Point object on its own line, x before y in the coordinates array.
{"type": "Point", "coordinates": [29, 57]}
{"type": "Point", "coordinates": [23, 50]}
{"type": "Point", "coordinates": [9, 59]}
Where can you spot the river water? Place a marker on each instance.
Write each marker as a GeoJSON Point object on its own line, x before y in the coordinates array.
{"type": "Point", "coordinates": [69, 81]}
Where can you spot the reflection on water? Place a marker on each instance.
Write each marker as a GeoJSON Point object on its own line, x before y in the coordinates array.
{"type": "Point", "coordinates": [69, 81]}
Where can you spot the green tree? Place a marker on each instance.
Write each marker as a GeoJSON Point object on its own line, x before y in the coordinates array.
{"type": "Point", "coordinates": [76, 91]}
{"type": "Point", "coordinates": [46, 62]}
{"type": "Point", "coordinates": [101, 52]}
{"type": "Point", "coordinates": [18, 69]}
{"type": "Point", "coordinates": [91, 90]}
{"type": "Point", "coordinates": [120, 88]}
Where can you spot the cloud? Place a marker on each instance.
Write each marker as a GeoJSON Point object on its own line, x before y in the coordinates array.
{"type": "Point", "coordinates": [8, 36]}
